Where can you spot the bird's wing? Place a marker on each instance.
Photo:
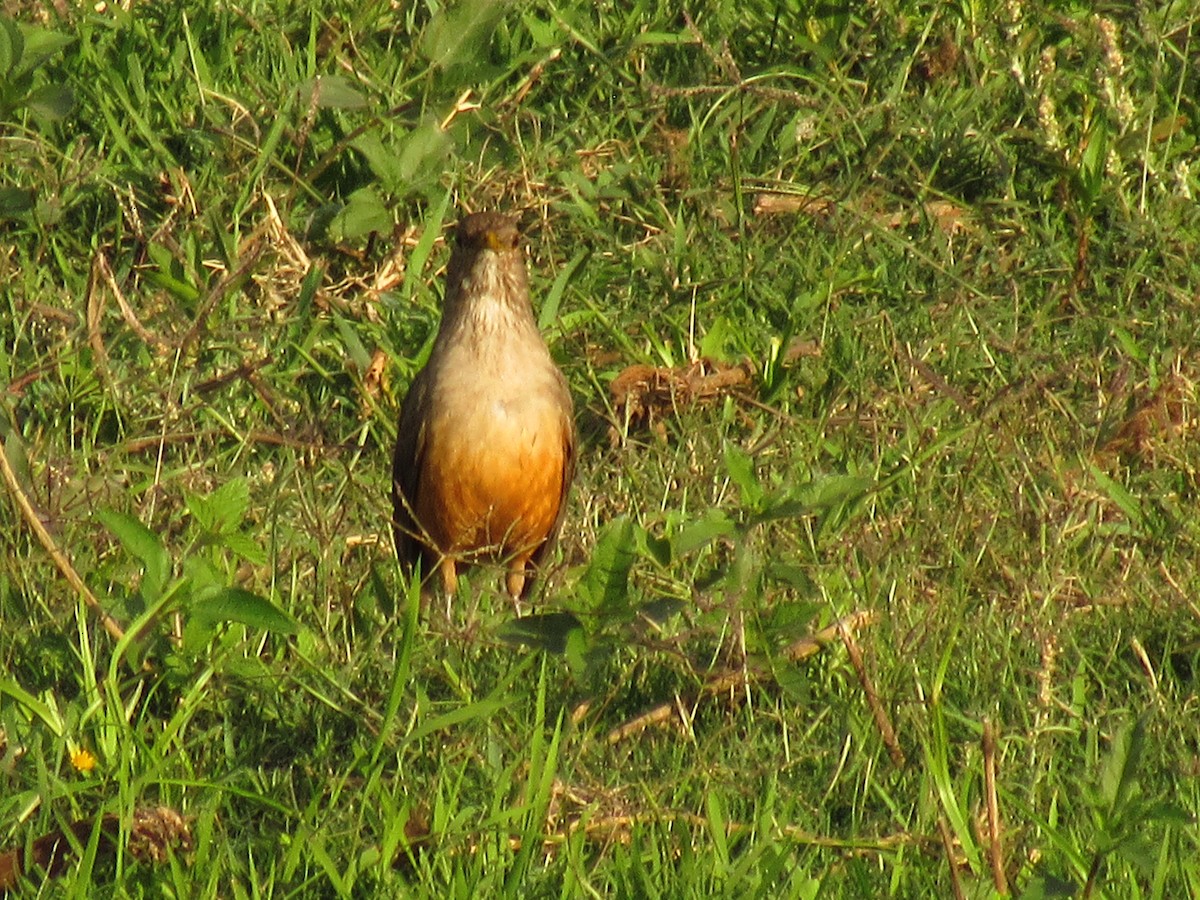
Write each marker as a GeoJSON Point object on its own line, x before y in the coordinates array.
{"type": "Point", "coordinates": [568, 473]}
{"type": "Point", "coordinates": [407, 462]}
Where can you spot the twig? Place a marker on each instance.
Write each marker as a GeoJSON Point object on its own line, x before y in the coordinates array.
{"type": "Point", "coordinates": [60, 559]}
{"type": "Point", "coordinates": [792, 98]}
{"type": "Point", "coordinates": [730, 679]}
{"type": "Point", "coordinates": [254, 436]}
{"type": "Point", "coordinates": [995, 846]}
{"type": "Point", "coordinates": [95, 312]}
{"type": "Point", "coordinates": [217, 291]}
{"type": "Point", "coordinates": [619, 828]}
{"type": "Point", "coordinates": [948, 849]}
{"type": "Point", "coordinates": [882, 721]}
{"type": "Point", "coordinates": [100, 263]}
{"type": "Point", "coordinates": [609, 827]}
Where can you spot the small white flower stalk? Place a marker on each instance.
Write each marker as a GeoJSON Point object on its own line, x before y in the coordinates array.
{"type": "Point", "coordinates": [1051, 132]}
{"type": "Point", "coordinates": [1183, 181]}
{"type": "Point", "coordinates": [1014, 12]}
{"type": "Point", "coordinates": [1094, 113]}
{"type": "Point", "coordinates": [1111, 75]}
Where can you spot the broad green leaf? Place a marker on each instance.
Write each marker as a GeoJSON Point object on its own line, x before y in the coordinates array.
{"type": "Point", "coordinates": [1049, 886]}
{"type": "Point", "coordinates": [142, 543]}
{"type": "Point", "coordinates": [1139, 849]}
{"type": "Point", "coordinates": [332, 92]}
{"type": "Point", "coordinates": [1119, 775]}
{"type": "Point", "coordinates": [237, 605]}
{"type": "Point", "coordinates": [715, 524]}
{"type": "Point", "coordinates": [423, 152]}
{"type": "Point", "coordinates": [606, 581]}
{"type": "Point", "coordinates": [740, 466]}
{"type": "Point", "coordinates": [656, 548]}
{"type": "Point", "coordinates": [546, 631]}
{"type": "Point", "coordinates": [201, 511]}
{"type": "Point", "coordinates": [457, 35]}
{"type": "Point", "coordinates": [39, 45]}
{"type": "Point", "coordinates": [717, 338]}
{"type": "Point", "coordinates": [202, 575]}
{"type": "Point", "coordinates": [224, 509]}
{"type": "Point", "coordinates": [788, 620]}
{"type": "Point", "coordinates": [52, 102]}
{"type": "Point", "coordinates": [245, 546]}
{"type": "Point", "coordinates": [363, 214]}
{"type": "Point", "coordinates": [794, 683]}
{"type": "Point", "coordinates": [828, 491]}
{"type": "Point", "coordinates": [793, 576]}
{"type": "Point", "coordinates": [544, 34]}
{"type": "Point", "coordinates": [1166, 812]}
{"type": "Point", "coordinates": [230, 503]}
{"type": "Point", "coordinates": [661, 609]}
{"type": "Point", "coordinates": [12, 46]}
{"type": "Point", "coordinates": [1090, 173]}
{"type": "Point", "coordinates": [15, 201]}
{"type": "Point", "coordinates": [823, 494]}
{"type": "Point", "coordinates": [13, 447]}
{"type": "Point", "coordinates": [384, 163]}
{"type": "Point", "coordinates": [576, 651]}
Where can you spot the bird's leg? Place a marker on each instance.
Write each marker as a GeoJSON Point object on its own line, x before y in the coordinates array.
{"type": "Point", "coordinates": [449, 576]}
{"type": "Point", "coordinates": [515, 580]}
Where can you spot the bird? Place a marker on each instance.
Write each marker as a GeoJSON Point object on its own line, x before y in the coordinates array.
{"type": "Point", "coordinates": [485, 450]}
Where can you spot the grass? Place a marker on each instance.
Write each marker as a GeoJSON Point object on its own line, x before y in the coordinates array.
{"type": "Point", "coordinates": [222, 255]}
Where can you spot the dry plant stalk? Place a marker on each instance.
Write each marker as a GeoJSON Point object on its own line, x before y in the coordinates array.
{"type": "Point", "coordinates": [47, 541]}
{"type": "Point", "coordinates": [948, 849]}
{"type": "Point", "coordinates": [607, 822]}
{"type": "Point", "coordinates": [730, 679]}
{"type": "Point", "coordinates": [994, 842]}
{"type": "Point", "coordinates": [619, 828]}
{"type": "Point", "coordinates": [951, 219]}
{"type": "Point", "coordinates": [882, 721]}
{"type": "Point", "coordinates": [100, 265]}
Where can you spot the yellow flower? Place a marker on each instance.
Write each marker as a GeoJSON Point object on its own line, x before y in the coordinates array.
{"type": "Point", "coordinates": [83, 760]}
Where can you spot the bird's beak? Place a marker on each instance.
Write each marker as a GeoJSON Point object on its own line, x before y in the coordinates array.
{"type": "Point", "coordinates": [500, 240]}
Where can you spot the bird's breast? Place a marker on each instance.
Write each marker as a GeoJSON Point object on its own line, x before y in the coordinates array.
{"type": "Point", "coordinates": [495, 441]}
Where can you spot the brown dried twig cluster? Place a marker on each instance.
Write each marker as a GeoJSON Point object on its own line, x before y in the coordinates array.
{"type": "Point", "coordinates": [643, 395]}
{"type": "Point", "coordinates": [154, 833]}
